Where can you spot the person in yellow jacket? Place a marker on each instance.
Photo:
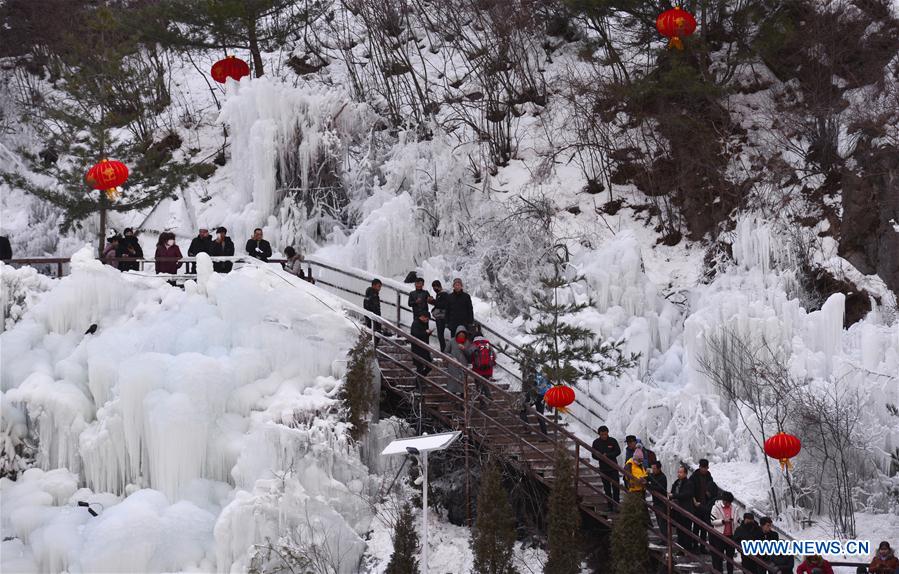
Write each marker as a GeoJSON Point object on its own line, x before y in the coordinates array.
{"type": "Point", "coordinates": [634, 465]}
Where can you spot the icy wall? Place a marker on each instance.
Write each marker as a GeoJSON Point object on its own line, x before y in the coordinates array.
{"type": "Point", "coordinates": [203, 420]}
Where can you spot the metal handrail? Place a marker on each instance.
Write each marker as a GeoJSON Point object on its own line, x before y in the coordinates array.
{"type": "Point", "coordinates": [578, 444]}
{"type": "Point", "coordinates": [400, 291]}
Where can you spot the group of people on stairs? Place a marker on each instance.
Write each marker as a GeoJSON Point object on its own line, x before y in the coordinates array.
{"type": "Point", "coordinates": [451, 311]}
{"type": "Point", "coordinates": [698, 494]}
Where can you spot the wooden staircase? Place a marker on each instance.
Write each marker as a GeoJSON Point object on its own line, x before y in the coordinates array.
{"type": "Point", "coordinates": [489, 416]}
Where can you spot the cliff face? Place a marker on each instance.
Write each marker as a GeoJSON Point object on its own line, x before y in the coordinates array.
{"type": "Point", "coordinates": [869, 237]}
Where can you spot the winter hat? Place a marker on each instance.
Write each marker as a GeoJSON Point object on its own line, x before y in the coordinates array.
{"type": "Point", "coordinates": [461, 329]}
{"type": "Point", "coordinates": [883, 545]}
{"type": "Point", "coordinates": [221, 230]}
{"type": "Point", "coordinates": [112, 233]}
{"type": "Point", "coordinates": [638, 455]}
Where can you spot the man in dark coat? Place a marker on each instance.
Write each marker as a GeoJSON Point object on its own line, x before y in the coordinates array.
{"type": "Point", "coordinates": [682, 494]}
{"type": "Point", "coordinates": [372, 303]}
{"type": "Point", "coordinates": [202, 243]}
{"type": "Point", "coordinates": [609, 447]}
{"type": "Point", "coordinates": [421, 332]}
{"type": "Point", "coordinates": [704, 493]}
{"type": "Point", "coordinates": [783, 563]}
{"type": "Point", "coordinates": [439, 301]}
{"type": "Point", "coordinates": [658, 485]}
{"type": "Point", "coordinates": [5, 249]}
{"type": "Point", "coordinates": [418, 300]}
{"type": "Point", "coordinates": [749, 530]}
{"type": "Point", "coordinates": [222, 246]}
{"type": "Point", "coordinates": [459, 312]}
{"type": "Point", "coordinates": [129, 247]}
{"type": "Point", "coordinates": [258, 247]}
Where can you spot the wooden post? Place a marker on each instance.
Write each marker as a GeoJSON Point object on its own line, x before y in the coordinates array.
{"type": "Point", "coordinates": [102, 224]}
{"type": "Point", "coordinates": [59, 269]}
{"type": "Point", "coordinates": [670, 534]}
{"type": "Point", "coordinates": [577, 464]}
{"type": "Point", "coordinates": [399, 309]}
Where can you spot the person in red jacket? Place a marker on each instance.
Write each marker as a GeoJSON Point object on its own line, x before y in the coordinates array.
{"type": "Point", "coordinates": [166, 247]}
{"type": "Point", "coordinates": [814, 565]}
{"type": "Point", "coordinates": [885, 562]}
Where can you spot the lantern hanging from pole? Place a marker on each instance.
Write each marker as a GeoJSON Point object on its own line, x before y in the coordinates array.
{"type": "Point", "coordinates": [107, 176]}
{"type": "Point", "coordinates": [559, 397]}
{"type": "Point", "coordinates": [230, 67]}
{"type": "Point", "coordinates": [676, 24]}
{"type": "Point", "coordinates": [783, 447]}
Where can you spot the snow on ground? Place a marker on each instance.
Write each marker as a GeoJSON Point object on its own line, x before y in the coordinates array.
{"type": "Point", "coordinates": [450, 552]}
{"type": "Point", "coordinates": [202, 420]}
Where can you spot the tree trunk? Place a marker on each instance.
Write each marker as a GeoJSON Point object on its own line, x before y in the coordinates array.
{"type": "Point", "coordinates": [102, 224]}
{"type": "Point", "coordinates": [254, 47]}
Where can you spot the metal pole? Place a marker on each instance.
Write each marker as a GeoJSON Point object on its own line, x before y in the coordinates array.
{"type": "Point", "coordinates": [467, 442]}
{"type": "Point", "coordinates": [398, 309]}
{"type": "Point", "coordinates": [424, 514]}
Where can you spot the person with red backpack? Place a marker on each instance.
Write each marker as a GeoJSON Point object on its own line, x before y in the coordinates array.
{"type": "Point", "coordinates": [483, 358]}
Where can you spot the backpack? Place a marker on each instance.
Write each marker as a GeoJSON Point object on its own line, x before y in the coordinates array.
{"type": "Point", "coordinates": [483, 358]}
{"type": "Point", "coordinates": [542, 384]}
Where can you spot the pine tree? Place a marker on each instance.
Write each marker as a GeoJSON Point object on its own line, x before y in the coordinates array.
{"type": "Point", "coordinates": [630, 542]}
{"type": "Point", "coordinates": [567, 352]}
{"type": "Point", "coordinates": [109, 87]}
{"type": "Point", "coordinates": [253, 25]}
{"type": "Point", "coordinates": [404, 559]}
{"type": "Point", "coordinates": [493, 539]}
{"type": "Point", "coordinates": [356, 393]}
{"type": "Point", "coordinates": [564, 545]}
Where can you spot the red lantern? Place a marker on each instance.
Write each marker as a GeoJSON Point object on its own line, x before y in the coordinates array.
{"type": "Point", "coordinates": [107, 176]}
{"type": "Point", "coordinates": [676, 24]}
{"type": "Point", "coordinates": [230, 67]}
{"type": "Point", "coordinates": [783, 447]}
{"type": "Point", "coordinates": [559, 397]}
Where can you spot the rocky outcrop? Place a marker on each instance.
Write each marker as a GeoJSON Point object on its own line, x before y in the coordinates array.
{"type": "Point", "coordinates": [869, 234]}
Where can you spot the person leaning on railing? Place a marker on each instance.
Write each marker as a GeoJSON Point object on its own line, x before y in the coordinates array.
{"type": "Point", "coordinates": [222, 246]}
{"type": "Point", "coordinates": [167, 249]}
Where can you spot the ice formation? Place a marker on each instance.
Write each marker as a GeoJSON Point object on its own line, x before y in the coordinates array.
{"type": "Point", "coordinates": [188, 414]}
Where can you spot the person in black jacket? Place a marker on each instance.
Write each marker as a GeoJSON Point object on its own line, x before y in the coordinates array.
{"type": "Point", "coordinates": [749, 530]}
{"type": "Point", "coordinates": [202, 243]}
{"type": "Point", "coordinates": [5, 249]}
{"type": "Point", "coordinates": [682, 494]}
{"type": "Point", "coordinates": [608, 446]}
{"type": "Point", "coordinates": [783, 564]}
{"type": "Point", "coordinates": [658, 485]}
{"type": "Point", "coordinates": [418, 299]}
{"type": "Point", "coordinates": [222, 246]}
{"type": "Point", "coordinates": [258, 247]}
{"type": "Point", "coordinates": [459, 312]}
{"type": "Point", "coordinates": [439, 301]}
{"type": "Point", "coordinates": [129, 246]}
{"type": "Point", "coordinates": [421, 332]}
{"type": "Point", "coordinates": [704, 494]}
{"type": "Point", "coordinates": [372, 303]}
